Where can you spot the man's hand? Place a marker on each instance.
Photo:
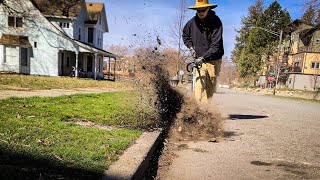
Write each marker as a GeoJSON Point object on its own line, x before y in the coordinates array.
{"type": "Point", "coordinates": [193, 52]}
{"type": "Point", "coordinates": [198, 62]}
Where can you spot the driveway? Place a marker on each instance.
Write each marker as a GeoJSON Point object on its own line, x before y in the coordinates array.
{"type": "Point", "coordinates": [50, 93]}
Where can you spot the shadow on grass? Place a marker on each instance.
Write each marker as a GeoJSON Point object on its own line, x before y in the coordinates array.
{"type": "Point", "coordinates": [245, 117]}
{"type": "Point", "coordinates": [19, 165]}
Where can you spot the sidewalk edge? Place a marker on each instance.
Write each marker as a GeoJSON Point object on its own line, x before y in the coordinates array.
{"type": "Point", "coordinates": [136, 159]}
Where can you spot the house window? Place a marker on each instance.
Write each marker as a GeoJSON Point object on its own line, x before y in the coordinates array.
{"type": "Point", "coordinates": [315, 65]}
{"type": "Point", "coordinates": [64, 25]}
{"type": "Point", "coordinates": [90, 35]}
{"type": "Point", "coordinates": [35, 45]}
{"type": "Point", "coordinates": [98, 37]}
{"type": "Point", "coordinates": [101, 38]}
{"type": "Point", "coordinates": [9, 54]}
{"type": "Point", "coordinates": [24, 57]}
{"type": "Point", "coordinates": [14, 21]}
{"type": "Point", "coordinates": [79, 34]}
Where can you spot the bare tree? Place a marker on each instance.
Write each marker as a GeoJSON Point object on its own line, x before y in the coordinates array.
{"type": "Point", "coordinates": [54, 7]}
{"type": "Point", "coordinates": [176, 32]}
{"type": "Point", "coordinates": [228, 74]}
{"type": "Point", "coordinates": [171, 55]}
{"type": "Point", "coordinates": [121, 51]}
{"type": "Point", "coordinates": [16, 7]}
{"type": "Point", "coordinates": [59, 7]}
{"type": "Point", "coordinates": [315, 3]}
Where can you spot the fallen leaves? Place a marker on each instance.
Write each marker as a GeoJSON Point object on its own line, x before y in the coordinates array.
{"type": "Point", "coordinates": [45, 142]}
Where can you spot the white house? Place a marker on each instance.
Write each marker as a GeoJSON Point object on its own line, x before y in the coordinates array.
{"type": "Point", "coordinates": [41, 37]}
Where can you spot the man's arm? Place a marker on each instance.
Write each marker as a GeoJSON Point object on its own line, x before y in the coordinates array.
{"type": "Point", "coordinates": [216, 50]}
{"type": "Point", "coordinates": [186, 36]}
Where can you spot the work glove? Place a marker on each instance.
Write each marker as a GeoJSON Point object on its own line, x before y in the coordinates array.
{"type": "Point", "coordinates": [193, 52]}
{"type": "Point", "coordinates": [198, 62]}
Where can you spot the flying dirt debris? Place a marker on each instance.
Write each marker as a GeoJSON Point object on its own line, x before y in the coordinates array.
{"type": "Point", "coordinates": [195, 122]}
{"type": "Point", "coordinates": [158, 40]}
{"type": "Point", "coordinates": [178, 112]}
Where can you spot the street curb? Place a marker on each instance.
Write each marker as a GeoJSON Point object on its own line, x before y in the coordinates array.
{"type": "Point", "coordinates": [135, 160]}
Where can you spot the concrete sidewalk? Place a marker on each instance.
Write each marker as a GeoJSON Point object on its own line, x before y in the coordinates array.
{"type": "Point", "coordinates": [4, 94]}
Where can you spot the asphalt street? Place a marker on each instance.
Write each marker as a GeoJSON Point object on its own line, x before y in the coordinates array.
{"type": "Point", "coordinates": [266, 137]}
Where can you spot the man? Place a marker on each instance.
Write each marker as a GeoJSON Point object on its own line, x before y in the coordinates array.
{"type": "Point", "coordinates": [203, 36]}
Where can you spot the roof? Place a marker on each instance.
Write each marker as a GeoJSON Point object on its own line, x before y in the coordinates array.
{"type": "Point", "coordinates": [67, 8]}
{"type": "Point", "coordinates": [94, 10]}
{"type": "Point", "coordinates": [307, 34]}
{"type": "Point", "coordinates": [15, 40]}
{"type": "Point", "coordinates": [89, 47]}
{"type": "Point", "coordinates": [294, 25]}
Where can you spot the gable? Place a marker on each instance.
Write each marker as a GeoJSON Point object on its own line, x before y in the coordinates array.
{"type": "Point", "coordinates": [95, 11]}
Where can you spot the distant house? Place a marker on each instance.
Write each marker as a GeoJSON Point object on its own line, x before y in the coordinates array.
{"type": "Point", "coordinates": [304, 56]}
{"type": "Point", "coordinates": [40, 37]}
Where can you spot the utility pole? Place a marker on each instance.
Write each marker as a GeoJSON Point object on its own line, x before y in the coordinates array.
{"type": "Point", "coordinates": [278, 63]}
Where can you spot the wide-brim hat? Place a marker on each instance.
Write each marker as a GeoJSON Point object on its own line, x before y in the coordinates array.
{"type": "Point", "coordinates": [202, 4]}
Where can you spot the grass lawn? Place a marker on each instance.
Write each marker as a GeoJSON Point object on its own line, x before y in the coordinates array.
{"type": "Point", "coordinates": [38, 136]}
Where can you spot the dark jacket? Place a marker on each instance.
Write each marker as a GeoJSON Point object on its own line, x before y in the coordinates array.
{"type": "Point", "coordinates": [205, 36]}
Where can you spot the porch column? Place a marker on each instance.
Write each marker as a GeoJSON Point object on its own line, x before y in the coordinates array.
{"type": "Point", "coordinates": [95, 65]}
{"type": "Point", "coordinates": [115, 62]}
{"type": "Point", "coordinates": [109, 68]}
{"type": "Point", "coordinates": [77, 64]}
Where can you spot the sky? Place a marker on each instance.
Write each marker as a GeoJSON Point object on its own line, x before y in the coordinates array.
{"type": "Point", "coordinates": [135, 23]}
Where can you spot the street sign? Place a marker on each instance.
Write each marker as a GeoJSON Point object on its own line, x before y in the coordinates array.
{"type": "Point", "coordinates": [271, 78]}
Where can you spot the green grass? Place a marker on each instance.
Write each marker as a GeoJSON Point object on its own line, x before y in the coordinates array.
{"type": "Point", "coordinates": [294, 98]}
{"type": "Point", "coordinates": [43, 128]}
{"type": "Point", "coordinates": [14, 81]}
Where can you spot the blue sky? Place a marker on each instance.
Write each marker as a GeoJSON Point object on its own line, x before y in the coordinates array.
{"type": "Point", "coordinates": [138, 22]}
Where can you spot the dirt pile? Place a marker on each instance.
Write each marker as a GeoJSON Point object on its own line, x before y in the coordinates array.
{"type": "Point", "coordinates": [196, 122]}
